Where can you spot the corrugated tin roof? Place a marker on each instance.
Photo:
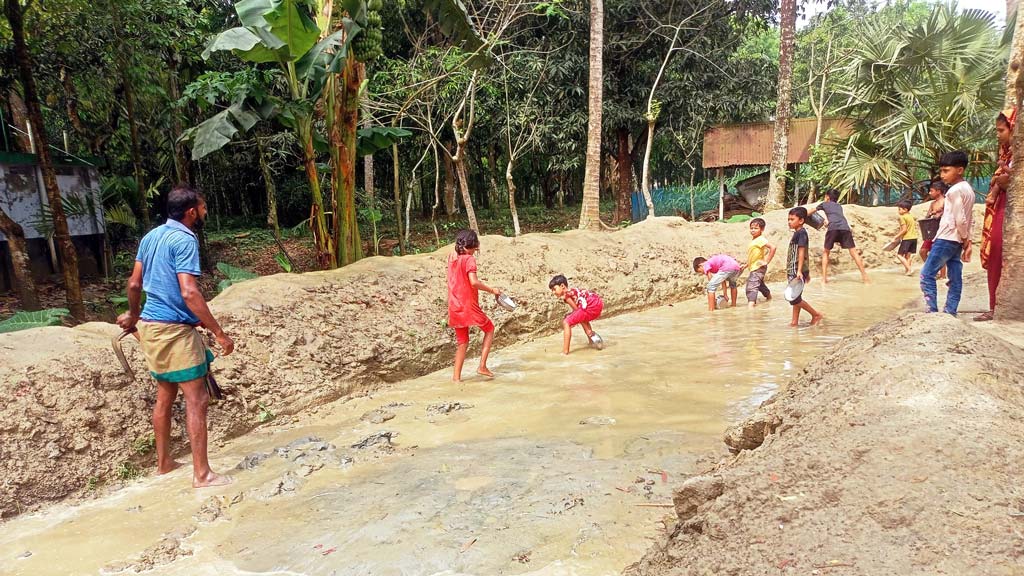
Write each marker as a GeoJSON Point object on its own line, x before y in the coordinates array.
{"type": "Point", "coordinates": [750, 144]}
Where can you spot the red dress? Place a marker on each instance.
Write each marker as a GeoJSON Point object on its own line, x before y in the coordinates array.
{"type": "Point", "coordinates": [463, 299]}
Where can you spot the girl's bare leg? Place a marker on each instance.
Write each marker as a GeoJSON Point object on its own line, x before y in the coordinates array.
{"type": "Point", "coordinates": [587, 329]}
{"type": "Point", "coordinates": [484, 352]}
{"type": "Point", "coordinates": [460, 359]}
{"type": "Point", "coordinates": [566, 337]}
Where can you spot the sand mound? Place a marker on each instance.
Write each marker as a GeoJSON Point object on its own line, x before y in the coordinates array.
{"type": "Point", "coordinates": [897, 453]}
{"type": "Point", "coordinates": [75, 421]}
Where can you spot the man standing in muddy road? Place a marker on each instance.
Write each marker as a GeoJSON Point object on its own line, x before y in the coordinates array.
{"type": "Point", "coordinates": [167, 268]}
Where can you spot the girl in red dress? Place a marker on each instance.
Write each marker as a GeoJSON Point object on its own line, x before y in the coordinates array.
{"type": "Point", "coordinates": [464, 304]}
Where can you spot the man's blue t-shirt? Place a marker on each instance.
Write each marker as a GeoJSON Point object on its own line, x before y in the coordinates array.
{"type": "Point", "coordinates": [165, 252]}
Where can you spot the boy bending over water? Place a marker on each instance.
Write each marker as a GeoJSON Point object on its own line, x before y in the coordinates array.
{"type": "Point", "coordinates": [720, 269]}
{"type": "Point", "coordinates": [586, 307]}
{"type": "Point", "coordinates": [464, 302]}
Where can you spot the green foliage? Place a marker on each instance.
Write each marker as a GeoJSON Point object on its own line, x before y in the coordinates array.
{"type": "Point", "coordinates": [126, 471]}
{"type": "Point", "coordinates": [234, 275]}
{"type": "Point", "coordinates": [455, 23]}
{"type": "Point", "coordinates": [377, 138]}
{"type": "Point", "coordinates": [92, 483]}
{"type": "Point", "coordinates": [283, 262]}
{"type": "Point", "coordinates": [916, 90]}
{"type": "Point", "coordinates": [144, 444]}
{"type": "Point", "coordinates": [264, 414]}
{"type": "Point", "coordinates": [26, 320]}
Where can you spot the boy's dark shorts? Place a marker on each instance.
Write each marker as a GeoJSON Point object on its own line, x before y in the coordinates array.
{"type": "Point", "coordinates": [843, 237]}
{"type": "Point", "coordinates": [908, 247]}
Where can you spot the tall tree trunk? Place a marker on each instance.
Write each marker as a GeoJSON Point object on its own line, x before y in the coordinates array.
{"type": "Point", "coordinates": [1015, 50]}
{"type": "Point", "coordinates": [136, 148]}
{"type": "Point", "coordinates": [449, 184]}
{"type": "Point", "coordinates": [182, 159]}
{"type": "Point", "coordinates": [780, 145]}
{"type": "Point", "coordinates": [511, 185]}
{"type": "Point", "coordinates": [19, 118]}
{"type": "Point", "coordinates": [1011, 285]}
{"type": "Point", "coordinates": [368, 186]}
{"type": "Point", "coordinates": [71, 102]}
{"type": "Point", "coordinates": [492, 171]}
{"type": "Point", "coordinates": [35, 116]}
{"type": "Point", "coordinates": [396, 174]}
{"type": "Point", "coordinates": [348, 242]}
{"type": "Point", "coordinates": [25, 285]}
{"type": "Point", "coordinates": [467, 199]}
{"type": "Point", "coordinates": [590, 211]}
{"type": "Point", "coordinates": [624, 191]}
{"type": "Point", "coordinates": [268, 183]}
{"type": "Point", "coordinates": [462, 127]}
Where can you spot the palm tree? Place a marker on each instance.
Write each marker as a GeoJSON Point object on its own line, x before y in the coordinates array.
{"type": "Point", "coordinates": [590, 213]}
{"type": "Point", "coordinates": [916, 91]}
{"type": "Point", "coordinates": [69, 259]}
{"type": "Point", "coordinates": [783, 109]}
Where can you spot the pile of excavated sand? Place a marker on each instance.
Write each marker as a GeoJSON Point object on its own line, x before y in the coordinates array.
{"type": "Point", "coordinates": [897, 453]}
{"type": "Point", "coordinates": [72, 417]}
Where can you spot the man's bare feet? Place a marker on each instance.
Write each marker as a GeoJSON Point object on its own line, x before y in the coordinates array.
{"type": "Point", "coordinates": [794, 324]}
{"type": "Point", "coordinates": [211, 479]}
{"type": "Point", "coordinates": [825, 280]}
{"type": "Point", "coordinates": [865, 279]}
{"type": "Point", "coordinates": [456, 380]}
{"type": "Point", "coordinates": [483, 371]}
{"type": "Point", "coordinates": [161, 470]}
{"type": "Point", "coordinates": [815, 320]}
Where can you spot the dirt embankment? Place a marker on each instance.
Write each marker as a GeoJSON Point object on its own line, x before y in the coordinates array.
{"type": "Point", "coordinates": [897, 453]}
{"type": "Point", "coordinates": [73, 419]}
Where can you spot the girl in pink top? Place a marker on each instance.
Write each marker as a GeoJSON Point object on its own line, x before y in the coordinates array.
{"type": "Point", "coordinates": [464, 302]}
{"type": "Point", "coordinates": [586, 307]}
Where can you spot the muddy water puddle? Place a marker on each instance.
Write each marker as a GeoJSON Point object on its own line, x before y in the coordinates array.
{"type": "Point", "coordinates": [560, 465]}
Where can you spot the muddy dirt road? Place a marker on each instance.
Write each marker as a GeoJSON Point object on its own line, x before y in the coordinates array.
{"type": "Point", "coordinates": [561, 465]}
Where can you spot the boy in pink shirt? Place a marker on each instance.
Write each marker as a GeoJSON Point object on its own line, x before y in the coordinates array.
{"type": "Point", "coordinates": [718, 269]}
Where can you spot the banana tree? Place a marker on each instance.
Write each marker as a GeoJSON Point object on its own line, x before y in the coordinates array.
{"type": "Point", "coordinates": [285, 33]}
{"type": "Point", "coordinates": [311, 42]}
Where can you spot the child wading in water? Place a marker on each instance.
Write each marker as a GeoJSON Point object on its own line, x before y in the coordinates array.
{"type": "Point", "coordinates": [907, 235]}
{"type": "Point", "coordinates": [796, 263]}
{"type": "Point", "coordinates": [463, 302]}
{"type": "Point", "coordinates": [586, 307]}
{"type": "Point", "coordinates": [759, 255]}
{"type": "Point", "coordinates": [720, 269]}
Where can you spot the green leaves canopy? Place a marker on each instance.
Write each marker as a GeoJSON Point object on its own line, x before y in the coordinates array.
{"type": "Point", "coordinates": [271, 31]}
{"type": "Point", "coordinates": [917, 90]}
